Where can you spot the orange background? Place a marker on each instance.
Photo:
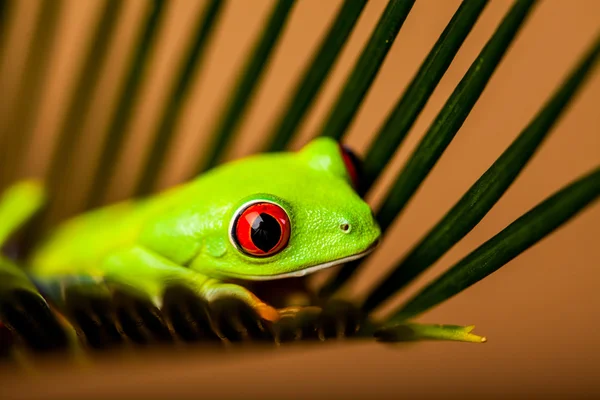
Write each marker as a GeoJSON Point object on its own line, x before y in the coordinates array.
{"type": "Point", "coordinates": [540, 312]}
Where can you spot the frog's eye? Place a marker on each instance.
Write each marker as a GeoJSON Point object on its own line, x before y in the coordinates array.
{"type": "Point", "coordinates": [353, 165]}
{"type": "Point", "coordinates": [261, 229]}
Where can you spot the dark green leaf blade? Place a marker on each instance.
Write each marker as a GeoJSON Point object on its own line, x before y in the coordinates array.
{"type": "Point", "coordinates": [187, 72]}
{"type": "Point", "coordinates": [416, 95]}
{"type": "Point", "coordinates": [506, 245]}
{"type": "Point", "coordinates": [314, 76]}
{"type": "Point", "coordinates": [6, 12]}
{"type": "Point", "coordinates": [453, 114]}
{"type": "Point", "coordinates": [488, 189]}
{"type": "Point", "coordinates": [351, 96]}
{"type": "Point", "coordinates": [80, 102]}
{"type": "Point", "coordinates": [247, 82]}
{"type": "Point", "coordinates": [16, 132]}
{"type": "Point", "coordinates": [125, 103]}
{"type": "Point", "coordinates": [443, 129]}
{"type": "Point", "coordinates": [408, 332]}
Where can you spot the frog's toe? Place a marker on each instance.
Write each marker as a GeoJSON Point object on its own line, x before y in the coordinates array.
{"type": "Point", "coordinates": [237, 313]}
{"type": "Point", "coordinates": [188, 315]}
{"type": "Point", "coordinates": [286, 329]}
{"type": "Point", "coordinates": [298, 323]}
{"type": "Point", "coordinates": [217, 291]}
{"type": "Point", "coordinates": [234, 320]}
{"type": "Point", "coordinates": [337, 319]}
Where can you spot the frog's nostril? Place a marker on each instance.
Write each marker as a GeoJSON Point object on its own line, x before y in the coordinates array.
{"type": "Point", "coordinates": [345, 227]}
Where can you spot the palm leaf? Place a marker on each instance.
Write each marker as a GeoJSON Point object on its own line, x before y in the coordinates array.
{"type": "Point", "coordinates": [80, 101]}
{"type": "Point", "coordinates": [444, 127]}
{"type": "Point", "coordinates": [484, 193]}
{"type": "Point", "coordinates": [187, 70]}
{"type": "Point", "coordinates": [248, 81]}
{"type": "Point", "coordinates": [19, 203]}
{"type": "Point", "coordinates": [453, 114]}
{"type": "Point", "coordinates": [407, 332]}
{"type": "Point", "coordinates": [314, 76]}
{"type": "Point", "coordinates": [21, 118]}
{"type": "Point", "coordinates": [411, 103]}
{"type": "Point", "coordinates": [127, 98]}
{"type": "Point", "coordinates": [506, 245]}
{"type": "Point", "coordinates": [366, 68]}
{"type": "Point", "coordinates": [5, 14]}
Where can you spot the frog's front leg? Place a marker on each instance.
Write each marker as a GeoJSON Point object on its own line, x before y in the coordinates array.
{"type": "Point", "coordinates": [304, 315]}
{"type": "Point", "coordinates": [143, 273]}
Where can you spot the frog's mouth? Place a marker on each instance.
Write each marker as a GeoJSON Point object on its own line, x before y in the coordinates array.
{"type": "Point", "coordinates": [314, 268]}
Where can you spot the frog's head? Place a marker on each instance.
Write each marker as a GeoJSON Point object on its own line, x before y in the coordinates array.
{"type": "Point", "coordinates": [293, 214]}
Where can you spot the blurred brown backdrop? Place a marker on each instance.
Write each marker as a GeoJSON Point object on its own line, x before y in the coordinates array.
{"type": "Point", "coordinates": [540, 313]}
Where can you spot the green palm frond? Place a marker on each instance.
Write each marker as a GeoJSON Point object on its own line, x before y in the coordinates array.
{"type": "Point", "coordinates": [190, 64]}
{"type": "Point", "coordinates": [19, 202]}
{"type": "Point", "coordinates": [506, 245]}
{"type": "Point", "coordinates": [80, 101]}
{"type": "Point", "coordinates": [484, 193]}
{"type": "Point", "coordinates": [351, 96]}
{"type": "Point", "coordinates": [29, 94]}
{"type": "Point", "coordinates": [444, 127]}
{"type": "Point", "coordinates": [247, 83]}
{"type": "Point", "coordinates": [411, 103]}
{"type": "Point", "coordinates": [128, 97]}
{"type": "Point", "coordinates": [314, 76]}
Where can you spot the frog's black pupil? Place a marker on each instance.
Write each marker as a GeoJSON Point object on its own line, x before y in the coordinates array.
{"type": "Point", "coordinates": [266, 232]}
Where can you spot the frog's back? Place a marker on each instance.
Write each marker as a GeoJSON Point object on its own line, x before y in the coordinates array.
{"type": "Point", "coordinates": [79, 245]}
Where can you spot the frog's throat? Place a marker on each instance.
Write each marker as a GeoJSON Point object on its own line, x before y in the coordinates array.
{"type": "Point", "coordinates": [310, 270]}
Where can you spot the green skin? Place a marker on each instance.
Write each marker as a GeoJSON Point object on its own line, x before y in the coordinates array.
{"type": "Point", "coordinates": [182, 236]}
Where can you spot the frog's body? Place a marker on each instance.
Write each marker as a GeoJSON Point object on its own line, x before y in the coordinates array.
{"type": "Point", "coordinates": [184, 235]}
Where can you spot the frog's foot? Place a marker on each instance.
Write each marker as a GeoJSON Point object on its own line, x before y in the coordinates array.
{"type": "Point", "coordinates": [236, 313]}
{"type": "Point", "coordinates": [411, 332]}
{"type": "Point", "coordinates": [336, 319]}
{"type": "Point", "coordinates": [146, 275]}
{"type": "Point", "coordinates": [297, 323]}
{"type": "Point", "coordinates": [155, 311]}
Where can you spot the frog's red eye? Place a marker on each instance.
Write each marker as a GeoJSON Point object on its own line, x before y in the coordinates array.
{"type": "Point", "coordinates": [353, 165]}
{"type": "Point", "coordinates": [261, 229]}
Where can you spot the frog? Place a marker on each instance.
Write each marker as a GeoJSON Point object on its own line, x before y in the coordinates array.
{"type": "Point", "coordinates": [264, 218]}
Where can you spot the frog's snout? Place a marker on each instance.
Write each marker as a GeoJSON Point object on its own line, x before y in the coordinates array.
{"type": "Point", "coordinates": [362, 228]}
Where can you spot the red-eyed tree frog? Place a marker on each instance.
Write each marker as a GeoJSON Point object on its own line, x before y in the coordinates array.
{"type": "Point", "coordinates": [265, 217]}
